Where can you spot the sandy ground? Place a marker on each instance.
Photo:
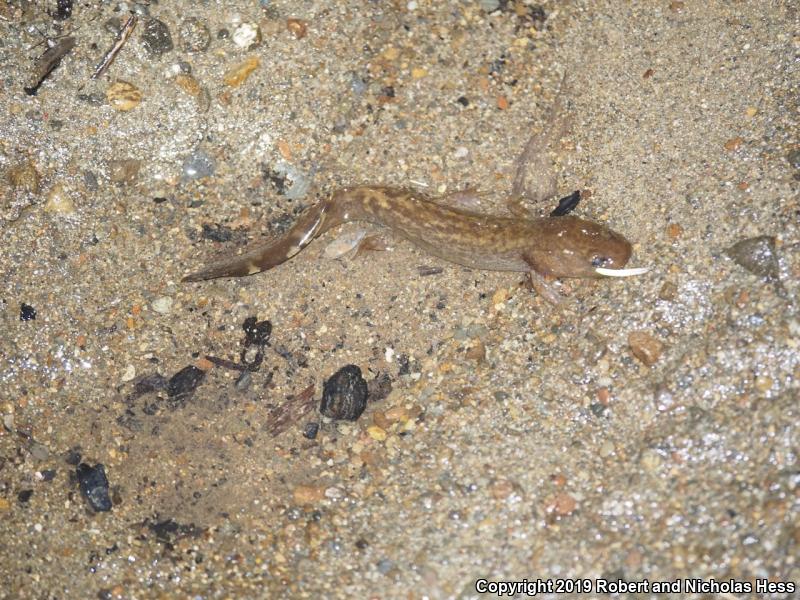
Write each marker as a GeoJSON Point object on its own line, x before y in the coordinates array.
{"type": "Point", "coordinates": [646, 430]}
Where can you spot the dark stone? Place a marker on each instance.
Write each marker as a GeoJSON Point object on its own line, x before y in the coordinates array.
{"type": "Point", "coordinates": [27, 312]}
{"type": "Point", "coordinates": [463, 101]}
{"type": "Point", "coordinates": [24, 496]}
{"type": "Point", "coordinates": [344, 395]}
{"type": "Point", "coordinates": [757, 255]}
{"type": "Point", "coordinates": [156, 38]}
{"type": "Point", "coordinates": [94, 486]}
{"type": "Point", "coordinates": [185, 382]}
{"type": "Point", "coordinates": [73, 456]}
{"type": "Point", "coordinates": [48, 474]}
{"type": "Point", "coordinates": [311, 430]}
{"type": "Point", "coordinates": [567, 204]}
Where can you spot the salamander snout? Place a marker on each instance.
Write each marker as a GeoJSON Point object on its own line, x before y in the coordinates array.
{"type": "Point", "coordinates": [580, 248]}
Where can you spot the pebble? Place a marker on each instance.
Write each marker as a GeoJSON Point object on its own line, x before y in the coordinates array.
{"type": "Point", "coordinates": [39, 451]}
{"type": "Point", "coordinates": [128, 374]}
{"type": "Point", "coordinates": [238, 74]}
{"type": "Point", "coordinates": [123, 170]}
{"type": "Point", "coordinates": [24, 177]}
{"type": "Point", "coordinates": [183, 384]}
{"type": "Point", "coordinates": [794, 158]}
{"type": "Point", "coordinates": [247, 35]}
{"type": "Point", "coordinates": [94, 486]}
{"type": "Point", "coordinates": [162, 305]}
{"type": "Point", "coordinates": [311, 430]}
{"type": "Point", "coordinates": [562, 505]}
{"type": "Point", "coordinates": [376, 433]}
{"type": "Point", "coordinates": [645, 347]}
{"type": "Point", "coordinates": [59, 201]}
{"type": "Point", "coordinates": [191, 86]}
{"type": "Point", "coordinates": [194, 35]}
{"type": "Point", "coordinates": [123, 96]}
{"type": "Point", "coordinates": [297, 27]}
{"type": "Point", "coordinates": [668, 291]}
{"type": "Point", "coordinates": [733, 144]}
{"type": "Point", "coordinates": [198, 165]}
{"type": "Point", "coordinates": [27, 312]}
{"type": "Point", "coordinates": [344, 395]}
{"type": "Point", "coordinates": [489, 5]}
{"type": "Point", "coordinates": [156, 38]}
{"type": "Point", "coordinates": [308, 494]}
{"type": "Point", "coordinates": [757, 255]}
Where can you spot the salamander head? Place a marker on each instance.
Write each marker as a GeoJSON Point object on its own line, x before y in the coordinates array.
{"type": "Point", "coordinates": [573, 247]}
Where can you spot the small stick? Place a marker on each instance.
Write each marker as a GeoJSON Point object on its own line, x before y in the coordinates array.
{"type": "Point", "coordinates": [109, 56]}
{"type": "Point", "coordinates": [48, 61]}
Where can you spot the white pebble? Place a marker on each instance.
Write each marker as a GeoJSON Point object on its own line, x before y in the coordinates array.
{"type": "Point", "coordinates": [129, 374]}
{"type": "Point", "coordinates": [245, 35]}
{"type": "Point", "coordinates": [162, 305]}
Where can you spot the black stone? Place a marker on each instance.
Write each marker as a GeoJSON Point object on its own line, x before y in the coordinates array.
{"type": "Point", "coordinates": [24, 496]}
{"type": "Point", "coordinates": [567, 204]}
{"type": "Point", "coordinates": [27, 312]}
{"type": "Point", "coordinates": [311, 430]}
{"type": "Point", "coordinates": [185, 382]}
{"type": "Point", "coordinates": [94, 486]}
{"type": "Point", "coordinates": [156, 38]}
{"type": "Point", "coordinates": [344, 395]}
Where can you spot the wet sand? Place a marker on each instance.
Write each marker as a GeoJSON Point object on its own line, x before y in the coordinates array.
{"type": "Point", "coordinates": [647, 429]}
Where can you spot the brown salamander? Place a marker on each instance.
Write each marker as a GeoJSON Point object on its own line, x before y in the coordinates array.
{"type": "Point", "coordinates": [555, 246]}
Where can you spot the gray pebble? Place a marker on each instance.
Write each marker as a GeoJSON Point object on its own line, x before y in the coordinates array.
{"type": "Point", "coordinates": [489, 5]}
{"type": "Point", "coordinates": [757, 255]}
{"type": "Point", "coordinates": [156, 38]}
{"type": "Point", "coordinates": [90, 180]}
{"type": "Point", "coordinates": [194, 34]}
{"type": "Point", "coordinates": [794, 158]}
{"type": "Point", "coordinates": [124, 170]}
{"type": "Point", "coordinates": [198, 165]}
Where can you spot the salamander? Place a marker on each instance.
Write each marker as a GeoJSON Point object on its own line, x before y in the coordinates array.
{"type": "Point", "coordinates": [565, 246]}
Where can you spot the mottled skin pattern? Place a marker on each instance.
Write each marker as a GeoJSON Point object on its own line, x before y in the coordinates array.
{"type": "Point", "coordinates": [557, 246]}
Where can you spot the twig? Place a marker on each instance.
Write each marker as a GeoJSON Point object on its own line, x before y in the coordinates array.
{"type": "Point", "coordinates": [109, 56]}
{"type": "Point", "coordinates": [48, 61]}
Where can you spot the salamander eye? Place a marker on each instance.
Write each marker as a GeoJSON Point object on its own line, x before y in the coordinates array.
{"type": "Point", "coordinates": [600, 261]}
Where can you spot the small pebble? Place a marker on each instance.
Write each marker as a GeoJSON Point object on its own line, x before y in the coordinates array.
{"type": "Point", "coordinates": [794, 158]}
{"type": "Point", "coordinates": [94, 486]}
{"type": "Point", "coordinates": [162, 305]}
{"type": "Point", "coordinates": [668, 291]}
{"type": "Point", "coordinates": [376, 433]}
{"type": "Point", "coordinates": [308, 494]}
{"type": "Point", "coordinates": [183, 384]}
{"type": "Point", "coordinates": [194, 35]}
{"type": "Point", "coordinates": [27, 312]}
{"type": "Point", "coordinates": [156, 38]}
{"type": "Point", "coordinates": [645, 347]}
{"type": "Point", "coordinates": [733, 144]}
{"type": "Point", "coordinates": [297, 28]}
{"type": "Point", "coordinates": [198, 165]}
{"type": "Point", "coordinates": [128, 374]}
{"type": "Point", "coordinates": [24, 177]}
{"type": "Point", "coordinates": [123, 170]}
{"type": "Point", "coordinates": [757, 255]}
{"type": "Point", "coordinates": [246, 35]}
{"type": "Point", "coordinates": [24, 496]}
{"type": "Point", "coordinates": [123, 96]}
{"type": "Point", "coordinates": [311, 430]}
{"type": "Point", "coordinates": [344, 395]}
{"type": "Point", "coordinates": [562, 505]}
{"type": "Point", "coordinates": [238, 74]}
{"type": "Point", "coordinates": [59, 201]}
{"type": "Point", "coordinates": [39, 451]}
